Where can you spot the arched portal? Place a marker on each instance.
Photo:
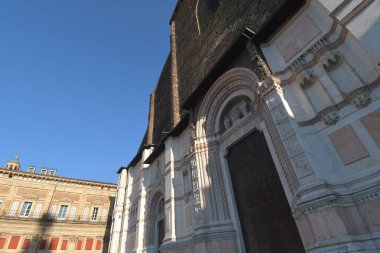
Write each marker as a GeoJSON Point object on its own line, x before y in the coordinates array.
{"type": "Point", "coordinates": [265, 217]}
{"type": "Point", "coordinates": [160, 224]}
{"type": "Point", "coordinates": [156, 227]}
{"type": "Point", "coordinates": [237, 155]}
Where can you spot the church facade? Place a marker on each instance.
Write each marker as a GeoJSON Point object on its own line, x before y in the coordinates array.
{"type": "Point", "coordinates": [263, 133]}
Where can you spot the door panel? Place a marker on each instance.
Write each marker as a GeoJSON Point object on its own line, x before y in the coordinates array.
{"type": "Point", "coordinates": [161, 232]}
{"type": "Point", "coordinates": [264, 213]}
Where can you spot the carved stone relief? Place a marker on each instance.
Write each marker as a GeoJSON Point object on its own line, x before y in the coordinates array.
{"type": "Point", "coordinates": [237, 109]}
{"type": "Point", "coordinates": [30, 195]}
{"type": "Point", "coordinates": [331, 116]}
{"type": "Point", "coordinates": [302, 166]}
{"type": "Point", "coordinates": [360, 98]}
{"type": "Point", "coordinates": [286, 130]}
{"type": "Point", "coordinates": [273, 102]}
{"type": "Point", "coordinates": [66, 199]}
{"type": "Point", "coordinates": [293, 147]}
{"type": "Point", "coordinates": [308, 81]}
{"type": "Point", "coordinates": [279, 115]}
{"type": "Point", "coordinates": [332, 62]}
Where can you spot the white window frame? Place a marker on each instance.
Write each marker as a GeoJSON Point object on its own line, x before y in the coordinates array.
{"type": "Point", "coordinates": [85, 213]}
{"type": "Point", "coordinates": [37, 210]}
{"type": "Point", "coordinates": [62, 212]}
{"type": "Point", "coordinates": [13, 210]}
{"type": "Point", "coordinates": [104, 214]}
{"type": "Point", "coordinates": [26, 208]}
{"type": "Point", "coordinates": [52, 211]}
{"type": "Point", "coordinates": [73, 210]}
{"type": "Point", "coordinates": [95, 214]}
{"type": "Point", "coordinates": [31, 169]}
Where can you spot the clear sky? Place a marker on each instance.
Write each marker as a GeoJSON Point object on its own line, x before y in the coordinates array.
{"type": "Point", "coordinates": [75, 79]}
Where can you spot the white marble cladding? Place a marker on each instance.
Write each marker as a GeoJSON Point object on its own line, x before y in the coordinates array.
{"type": "Point", "coordinates": [290, 138]}
{"type": "Point", "coordinates": [362, 19]}
{"type": "Point", "coordinates": [330, 88]}
{"type": "Point", "coordinates": [326, 73]}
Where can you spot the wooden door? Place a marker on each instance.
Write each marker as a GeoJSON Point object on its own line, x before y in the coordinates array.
{"type": "Point", "coordinates": [264, 213]}
{"type": "Point", "coordinates": [161, 232]}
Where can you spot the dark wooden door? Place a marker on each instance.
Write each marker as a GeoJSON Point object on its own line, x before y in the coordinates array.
{"type": "Point", "coordinates": [264, 212]}
{"type": "Point", "coordinates": [161, 232]}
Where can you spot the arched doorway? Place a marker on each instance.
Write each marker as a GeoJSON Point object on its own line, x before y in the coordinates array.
{"type": "Point", "coordinates": [160, 224]}
{"type": "Point", "coordinates": [264, 213]}
{"type": "Point", "coordinates": [155, 231]}
{"type": "Point", "coordinates": [230, 132]}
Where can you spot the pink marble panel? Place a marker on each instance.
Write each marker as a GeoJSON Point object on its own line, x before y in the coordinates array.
{"type": "Point", "coordinates": [297, 38]}
{"type": "Point", "coordinates": [305, 230]}
{"type": "Point", "coordinates": [372, 124]}
{"type": "Point", "coordinates": [353, 221]}
{"type": "Point", "coordinates": [327, 224]}
{"type": "Point", "coordinates": [370, 212]}
{"type": "Point", "coordinates": [348, 145]}
{"type": "Point", "coordinates": [228, 246]}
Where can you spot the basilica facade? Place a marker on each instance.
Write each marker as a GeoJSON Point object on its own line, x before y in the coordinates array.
{"type": "Point", "coordinates": [263, 133]}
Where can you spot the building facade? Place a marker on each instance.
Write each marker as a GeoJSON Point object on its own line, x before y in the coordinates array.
{"type": "Point", "coordinates": [42, 212]}
{"type": "Point", "coordinates": [263, 133]}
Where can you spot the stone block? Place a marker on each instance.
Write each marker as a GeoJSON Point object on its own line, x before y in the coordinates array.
{"type": "Point", "coordinates": [372, 124]}
{"type": "Point", "coordinates": [348, 145]}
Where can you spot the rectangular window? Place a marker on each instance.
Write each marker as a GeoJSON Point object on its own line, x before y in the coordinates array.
{"type": "Point", "coordinates": [2, 242]}
{"type": "Point", "coordinates": [14, 242]}
{"type": "Point", "coordinates": [98, 245]}
{"type": "Point", "coordinates": [62, 212]}
{"type": "Point", "coordinates": [25, 210]}
{"type": "Point", "coordinates": [31, 169]}
{"type": "Point", "coordinates": [85, 213]}
{"type": "Point", "coordinates": [89, 243]}
{"type": "Point", "coordinates": [54, 244]}
{"type": "Point", "coordinates": [64, 245]}
{"type": "Point", "coordinates": [79, 245]}
{"type": "Point", "coordinates": [42, 244]}
{"type": "Point", "coordinates": [94, 215]}
{"type": "Point", "coordinates": [26, 244]}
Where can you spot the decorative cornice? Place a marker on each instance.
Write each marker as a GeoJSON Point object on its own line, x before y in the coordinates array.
{"type": "Point", "coordinates": [312, 55]}
{"type": "Point", "coordinates": [359, 98]}
{"type": "Point", "coordinates": [57, 179]}
{"type": "Point", "coordinates": [30, 195]}
{"type": "Point", "coordinates": [334, 200]}
{"type": "Point", "coordinates": [360, 7]}
{"type": "Point", "coordinates": [340, 7]}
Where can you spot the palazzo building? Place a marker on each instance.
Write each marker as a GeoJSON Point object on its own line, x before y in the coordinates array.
{"type": "Point", "coordinates": [43, 212]}
{"type": "Point", "coordinates": [263, 133]}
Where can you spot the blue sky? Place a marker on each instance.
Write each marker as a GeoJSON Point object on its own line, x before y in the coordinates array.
{"type": "Point", "coordinates": [75, 79]}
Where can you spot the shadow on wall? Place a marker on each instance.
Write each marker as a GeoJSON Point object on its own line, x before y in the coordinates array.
{"type": "Point", "coordinates": [106, 237]}
{"type": "Point", "coordinates": [40, 241]}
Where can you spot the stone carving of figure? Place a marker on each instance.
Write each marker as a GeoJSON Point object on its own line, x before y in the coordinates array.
{"type": "Point", "coordinates": [226, 122]}
{"type": "Point", "coordinates": [235, 114]}
{"type": "Point", "coordinates": [243, 106]}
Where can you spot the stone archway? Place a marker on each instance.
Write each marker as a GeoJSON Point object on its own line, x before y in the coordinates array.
{"type": "Point", "coordinates": [227, 117]}
{"type": "Point", "coordinates": [156, 227]}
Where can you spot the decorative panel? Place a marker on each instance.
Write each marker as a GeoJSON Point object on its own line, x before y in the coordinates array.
{"type": "Point", "coordinates": [348, 145]}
